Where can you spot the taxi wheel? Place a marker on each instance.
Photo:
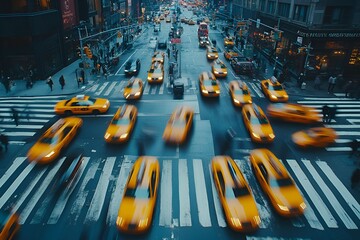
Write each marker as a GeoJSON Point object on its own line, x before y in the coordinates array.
{"type": "Point", "coordinates": [96, 112]}
{"type": "Point", "coordinates": [68, 113]}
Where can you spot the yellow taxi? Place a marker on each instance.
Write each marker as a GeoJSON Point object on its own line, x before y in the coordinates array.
{"type": "Point", "coordinates": [212, 53]}
{"type": "Point", "coordinates": [314, 137]}
{"type": "Point", "coordinates": [191, 22]}
{"type": "Point", "coordinates": [273, 90]}
{"type": "Point", "coordinates": [240, 93]}
{"type": "Point", "coordinates": [158, 57]}
{"type": "Point", "coordinates": [121, 125]}
{"type": "Point", "coordinates": [292, 112]}
{"type": "Point", "coordinates": [277, 183]}
{"type": "Point", "coordinates": [179, 125]}
{"type": "Point", "coordinates": [209, 86]}
{"type": "Point", "coordinates": [235, 195]}
{"type": "Point", "coordinates": [228, 54]}
{"type": "Point", "coordinates": [229, 42]}
{"type": "Point", "coordinates": [162, 17]}
{"type": "Point", "coordinates": [82, 104]}
{"type": "Point", "coordinates": [9, 225]}
{"type": "Point", "coordinates": [257, 124]}
{"type": "Point", "coordinates": [156, 73]}
{"type": "Point", "coordinates": [133, 89]}
{"type": "Point", "coordinates": [219, 69]}
{"type": "Point", "coordinates": [137, 205]}
{"type": "Point", "coordinates": [168, 19]}
{"type": "Point", "coordinates": [54, 140]}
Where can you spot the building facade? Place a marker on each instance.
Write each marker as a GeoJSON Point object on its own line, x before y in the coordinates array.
{"type": "Point", "coordinates": [309, 36]}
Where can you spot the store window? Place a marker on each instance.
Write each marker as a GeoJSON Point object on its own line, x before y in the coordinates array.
{"type": "Point", "coordinates": [262, 4]}
{"type": "Point", "coordinates": [336, 15]}
{"type": "Point", "coordinates": [271, 7]}
{"type": "Point", "coordinates": [300, 13]}
{"type": "Point", "coordinates": [284, 9]}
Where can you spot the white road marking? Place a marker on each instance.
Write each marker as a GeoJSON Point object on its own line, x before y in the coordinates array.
{"type": "Point", "coordinates": [349, 223]}
{"type": "Point", "coordinates": [93, 88]}
{"type": "Point", "coordinates": [161, 90]}
{"type": "Point", "coordinates": [146, 89]}
{"type": "Point", "coordinates": [347, 133]}
{"type": "Point", "coordinates": [21, 126]}
{"type": "Point", "coordinates": [102, 87]}
{"type": "Point", "coordinates": [16, 163]}
{"type": "Point", "coordinates": [40, 191]}
{"type": "Point", "coordinates": [326, 101]}
{"type": "Point", "coordinates": [344, 192]}
{"type": "Point", "coordinates": [26, 105]}
{"type": "Point", "coordinates": [353, 121]}
{"type": "Point", "coordinates": [315, 198]}
{"type": "Point", "coordinates": [256, 89]}
{"type": "Point", "coordinates": [218, 208]}
{"type": "Point", "coordinates": [166, 194]}
{"type": "Point", "coordinates": [17, 134]}
{"type": "Point", "coordinates": [119, 190]}
{"type": "Point", "coordinates": [338, 149]}
{"type": "Point", "coordinates": [184, 200]}
{"type": "Point", "coordinates": [342, 126]}
{"type": "Point", "coordinates": [110, 88]}
{"type": "Point", "coordinates": [98, 199]}
{"type": "Point", "coordinates": [201, 194]}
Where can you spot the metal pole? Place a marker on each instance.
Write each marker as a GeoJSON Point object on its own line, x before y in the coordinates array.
{"type": "Point", "coordinates": [307, 58]}
{"type": "Point", "coordinates": [81, 48]}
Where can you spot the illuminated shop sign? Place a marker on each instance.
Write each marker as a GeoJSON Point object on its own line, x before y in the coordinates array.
{"type": "Point", "coordinates": [329, 34]}
{"type": "Point", "coordinates": [68, 13]}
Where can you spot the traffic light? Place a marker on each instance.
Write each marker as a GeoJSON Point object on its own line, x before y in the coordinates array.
{"type": "Point", "coordinates": [88, 52]}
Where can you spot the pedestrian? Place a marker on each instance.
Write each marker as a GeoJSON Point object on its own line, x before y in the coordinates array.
{"type": "Point", "coordinates": [168, 52]}
{"type": "Point", "coordinates": [354, 148]}
{"type": "Point", "coordinates": [50, 83]}
{"type": "Point", "coordinates": [15, 116]}
{"type": "Point", "coordinates": [325, 112]}
{"type": "Point", "coordinates": [348, 88]}
{"type": "Point", "coordinates": [317, 82]}
{"type": "Point", "coordinates": [62, 81]}
{"type": "Point", "coordinates": [300, 80]}
{"type": "Point", "coordinates": [355, 177]}
{"type": "Point", "coordinates": [332, 113]}
{"type": "Point", "coordinates": [332, 83]}
{"type": "Point", "coordinates": [4, 141]}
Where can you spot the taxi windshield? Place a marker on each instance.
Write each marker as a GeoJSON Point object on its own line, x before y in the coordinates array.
{"type": "Point", "coordinates": [260, 120]}
{"type": "Point", "coordinates": [139, 192]}
{"type": "Point", "coordinates": [282, 182]}
{"type": "Point", "coordinates": [51, 140]}
{"type": "Point", "coordinates": [235, 192]}
{"type": "Point", "coordinates": [178, 122]}
{"type": "Point", "coordinates": [121, 121]}
{"type": "Point", "coordinates": [275, 87]}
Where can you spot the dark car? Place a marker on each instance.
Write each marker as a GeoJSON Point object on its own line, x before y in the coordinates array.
{"type": "Point", "coordinates": [132, 67]}
{"type": "Point", "coordinates": [243, 66]}
{"type": "Point", "coordinates": [162, 44]}
{"type": "Point", "coordinates": [69, 171]}
{"type": "Point", "coordinates": [203, 42]}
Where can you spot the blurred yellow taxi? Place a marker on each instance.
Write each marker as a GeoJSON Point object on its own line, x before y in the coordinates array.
{"type": "Point", "coordinates": [9, 225]}
{"type": "Point", "coordinates": [273, 90]}
{"type": "Point", "coordinates": [314, 137]}
{"type": "Point", "coordinates": [82, 104]}
{"type": "Point", "coordinates": [137, 205]}
{"type": "Point", "coordinates": [121, 125]}
{"type": "Point", "coordinates": [54, 140]}
{"type": "Point", "coordinates": [229, 42]}
{"type": "Point", "coordinates": [168, 19]}
{"type": "Point", "coordinates": [191, 22]}
{"type": "Point", "coordinates": [179, 125]}
{"type": "Point", "coordinates": [133, 89]}
{"type": "Point", "coordinates": [158, 57]}
{"type": "Point", "coordinates": [240, 93]}
{"type": "Point", "coordinates": [211, 53]}
{"type": "Point", "coordinates": [209, 86]}
{"type": "Point", "coordinates": [235, 195]}
{"type": "Point", "coordinates": [228, 54]}
{"type": "Point", "coordinates": [219, 69]}
{"type": "Point", "coordinates": [162, 17]}
{"type": "Point", "coordinates": [156, 73]}
{"type": "Point", "coordinates": [292, 112]}
{"type": "Point", "coordinates": [277, 183]}
{"type": "Point", "coordinates": [257, 124]}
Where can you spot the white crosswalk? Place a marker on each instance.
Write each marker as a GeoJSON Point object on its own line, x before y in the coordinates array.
{"type": "Point", "coordinates": [329, 203]}
{"type": "Point", "coordinates": [346, 123]}
{"type": "Point", "coordinates": [116, 88]}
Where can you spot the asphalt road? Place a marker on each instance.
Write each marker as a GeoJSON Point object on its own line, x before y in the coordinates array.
{"type": "Point", "coordinates": [187, 205]}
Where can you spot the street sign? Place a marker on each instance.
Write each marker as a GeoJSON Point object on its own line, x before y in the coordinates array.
{"type": "Point", "coordinates": [258, 23]}
{"type": "Point", "coordinates": [176, 40]}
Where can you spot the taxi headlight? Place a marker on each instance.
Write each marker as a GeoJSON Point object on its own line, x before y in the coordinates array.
{"type": "Point", "coordinates": [255, 135]}
{"type": "Point", "coordinates": [303, 205]}
{"type": "Point", "coordinates": [107, 135]}
{"type": "Point", "coordinates": [216, 72]}
{"type": "Point", "coordinates": [273, 96]}
{"type": "Point", "coordinates": [257, 220]}
{"type": "Point", "coordinates": [149, 78]}
{"type": "Point", "coordinates": [205, 91]}
{"type": "Point", "coordinates": [143, 222]}
{"type": "Point", "coordinates": [224, 72]}
{"type": "Point", "coordinates": [137, 94]}
{"type": "Point", "coordinates": [127, 96]}
{"type": "Point", "coordinates": [160, 78]}
{"type": "Point", "coordinates": [217, 91]}
{"type": "Point", "coordinates": [283, 208]}
{"type": "Point", "coordinates": [236, 222]}
{"type": "Point", "coordinates": [208, 55]}
{"type": "Point", "coordinates": [124, 135]}
{"type": "Point", "coordinates": [236, 101]}
{"type": "Point", "coordinates": [50, 154]}
{"type": "Point", "coordinates": [119, 221]}
{"type": "Point", "coordinates": [271, 135]}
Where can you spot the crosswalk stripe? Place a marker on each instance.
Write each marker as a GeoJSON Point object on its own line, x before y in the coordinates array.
{"type": "Point", "coordinates": [166, 194]}
{"type": "Point", "coordinates": [101, 89]}
{"type": "Point", "coordinates": [201, 194]}
{"type": "Point", "coordinates": [98, 199]}
{"type": "Point", "coordinates": [15, 184]}
{"type": "Point", "coordinates": [338, 149]}
{"type": "Point", "coordinates": [39, 192]}
{"type": "Point", "coordinates": [337, 105]}
{"type": "Point", "coordinates": [21, 126]}
{"type": "Point", "coordinates": [65, 195]}
{"type": "Point", "coordinates": [315, 198]}
{"type": "Point", "coordinates": [111, 87]}
{"type": "Point", "coordinates": [119, 190]}
{"type": "Point", "coordinates": [80, 199]}
{"type": "Point", "coordinates": [26, 105]}
{"type": "Point", "coordinates": [16, 134]}
{"type": "Point", "coordinates": [344, 192]}
{"type": "Point", "coordinates": [16, 163]}
{"type": "Point", "coordinates": [184, 200]}
{"type": "Point", "coordinates": [330, 196]}
{"type": "Point", "coordinates": [342, 126]}
{"type": "Point", "coordinates": [327, 101]}
{"type": "Point", "coordinates": [161, 90]}
{"type": "Point", "coordinates": [347, 133]}
{"type": "Point", "coordinates": [218, 208]}
{"type": "Point", "coordinates": [256, 89]}
{"type": "Point", "coordinates": [146, 89]}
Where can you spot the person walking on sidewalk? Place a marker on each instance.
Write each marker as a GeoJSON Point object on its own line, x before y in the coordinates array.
{"type": "Point", "coordinates": [15, 116]}
{"type": "Point", "coordinates": [62, 81]}
{"type": "Point", "coordinates": [332, 83]}
{"type": "Point", "coordinates": [50, 83]}
{"type": "Point", "coordinates": [300, 79]}
{"type": "Point", "coordinates": [4, 141]}
{"type": "Point", "coordinates": [317, 82]}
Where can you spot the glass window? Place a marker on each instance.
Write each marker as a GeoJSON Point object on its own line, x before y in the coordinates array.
{"type": "Point", "coordinates": [283, 182]}
{"type": "Point", "coordinates": [236, 192]}
{"type": "Point", "coordinates": [121, 121]}
{"type": "Point", "coordinates": [300, 13]}
{"type": "Point", "coordinates": [221, 180]}
{"type": "Point", "coordinates": [138, 192]}
{"type": "Point", "coordinates": [50, 140]}
{"type": "Point", "coordinates": [336, 15]}
{"type": "Point", "coordinates": [262, 5]}
{"type": "Point", "coordinates": [271, 7]}
{"type": "Point", "coordinates": [284, 9]}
